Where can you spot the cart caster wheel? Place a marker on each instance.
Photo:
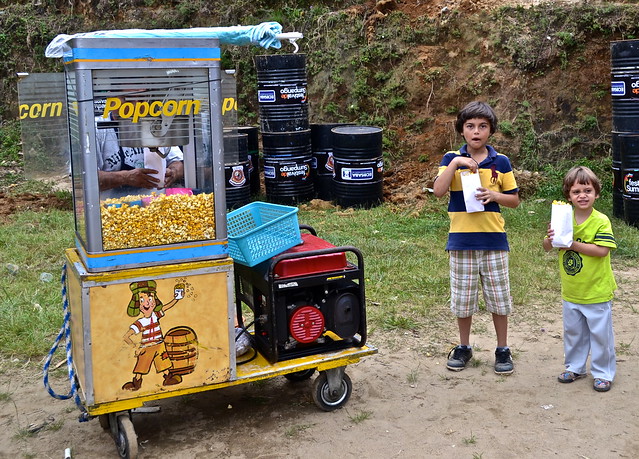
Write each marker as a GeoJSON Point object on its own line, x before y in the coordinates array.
{"type": "Point", "coordinates": [104, 421]}
{"type": "Point", "coordinates": [126, 440]}
{"type": "Point", "coordinates": [328, 400]}
{"type": "Point", "coordinates": [300, 375]}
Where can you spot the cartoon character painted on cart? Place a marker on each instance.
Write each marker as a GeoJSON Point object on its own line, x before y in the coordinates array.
{"type": "Point", "coordinates": [151, 349]}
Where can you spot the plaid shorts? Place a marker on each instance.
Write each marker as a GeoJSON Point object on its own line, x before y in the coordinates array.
{"type": "Point", "coordinates": [470, 267]}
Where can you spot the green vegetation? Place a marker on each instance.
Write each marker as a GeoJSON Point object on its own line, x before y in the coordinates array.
{"type": "Point", "coordinates": [406, 266]}
{"type": "Point", "coordinates": [363, 67]}
{"type": "Point", "coordinates": [10, 151]}
{"type": "Point", "coordinates": [360, 70]}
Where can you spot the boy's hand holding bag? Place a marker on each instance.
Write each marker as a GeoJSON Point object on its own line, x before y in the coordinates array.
{"type": "Point", "coordinates": [561, 223]}
{"type": "Point", "coordinates": [470, 182]}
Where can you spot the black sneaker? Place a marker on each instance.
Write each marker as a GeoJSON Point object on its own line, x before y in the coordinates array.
{"type": "Point", "coordinates": [503, 361]}
{"type": "Point", "coordinates": [458, 357]}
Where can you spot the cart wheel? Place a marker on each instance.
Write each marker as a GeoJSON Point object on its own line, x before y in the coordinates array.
{"type": "Point", "coordinates": [127, 440]}
{"type": "Point", "coordinates": [328, 400]}
{"type": "Point", "coordinates": [104, 421]}
{"type": "Point", "coordinates": [300, 375]}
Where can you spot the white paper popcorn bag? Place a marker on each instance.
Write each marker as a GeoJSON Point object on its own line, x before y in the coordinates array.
{"type": "Point", "coordinates": [470, 182]}
{"type": "Point", "coordinates": [561, 223]}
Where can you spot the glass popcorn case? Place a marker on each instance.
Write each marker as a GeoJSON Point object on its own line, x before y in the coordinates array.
{"type": "Point", "coordinates": [145, 128]}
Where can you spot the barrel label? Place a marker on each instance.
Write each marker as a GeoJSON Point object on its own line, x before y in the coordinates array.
{"type": "Point", "coordinates": [288, 171]}
{"type": "Point", "coordinates": [266, 96]}
{"type": "Point", "coordinates": [357, 174]}
{"type": "Point", "coordinates": [236, 174]}
{"type": "Point", "coordinates": [330, 163]}
{"type": "Point", "coordinates": [269, 172]}
{"type": "Point", "coordinates": [631, 183]}
{"type": "Point", "coordinates": [270, 94]}
{"type": "Point", "coordinates": [626, 86]}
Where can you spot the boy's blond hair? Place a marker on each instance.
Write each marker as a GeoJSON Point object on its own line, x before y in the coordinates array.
{"type": "Point", "coordinates": [582, 175]}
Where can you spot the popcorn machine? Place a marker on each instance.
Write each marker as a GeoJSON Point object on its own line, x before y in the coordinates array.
{"type": "Point", "coordinates": [150, 285]}
{"type": "Point", "coordinates": [133, 104]}
{"type": "Point", "coordinates": [150, 282]}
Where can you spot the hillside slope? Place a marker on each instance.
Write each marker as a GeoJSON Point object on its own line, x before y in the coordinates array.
{"type": "Point", "coordinates": [404, 65]}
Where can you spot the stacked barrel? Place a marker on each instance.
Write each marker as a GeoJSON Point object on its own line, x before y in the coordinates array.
{"type": "Point", "coordinates": [286, 135]}
{"type": "Point", "coordinates": [625, 129]}
{"type": "Point", "coordinates": [253, 157]}
{"type": "Point", "coordinates": [236, 143]}
{"type": "Point", "coordinates": [236, 169]}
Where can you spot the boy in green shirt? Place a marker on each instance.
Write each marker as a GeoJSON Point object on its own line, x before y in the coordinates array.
{"type": "Point", "coordinates": [587, 284]}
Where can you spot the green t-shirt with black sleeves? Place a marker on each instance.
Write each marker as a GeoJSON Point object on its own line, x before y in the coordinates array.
{"type": "Point", "coordinates": [586, 279]}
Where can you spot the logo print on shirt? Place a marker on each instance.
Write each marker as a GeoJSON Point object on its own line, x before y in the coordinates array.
{"type": "Point", "coordinates": [572, 262]}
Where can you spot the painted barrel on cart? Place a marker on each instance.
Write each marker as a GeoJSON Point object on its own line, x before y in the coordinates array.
{"type": "Point", "coordinates": [182, 347]}
{"type": "Point", "coordinates": [624, 55]}
{"type": "Point", "coordinates": [281, 92]}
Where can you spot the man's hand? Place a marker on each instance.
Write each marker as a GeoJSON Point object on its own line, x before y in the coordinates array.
{"type": "Point", "coordinates": [174, 172]}
{"type": "Point", "coordinates": [142, 178]}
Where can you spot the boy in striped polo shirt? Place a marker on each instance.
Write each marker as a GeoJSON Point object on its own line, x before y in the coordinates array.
{"type": "Point", "coordinates": [477, 243]}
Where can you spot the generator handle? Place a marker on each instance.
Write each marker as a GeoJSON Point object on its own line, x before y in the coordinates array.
{"type": "Point", "coordinates": [309, 228]}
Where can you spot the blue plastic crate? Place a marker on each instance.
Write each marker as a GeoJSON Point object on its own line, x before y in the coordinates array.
{"type": "Point", "coordinates": [260, 230]}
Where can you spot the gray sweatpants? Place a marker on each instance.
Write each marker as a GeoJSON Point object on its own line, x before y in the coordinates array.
{"type": "Point", "coordinates": [588, 330]}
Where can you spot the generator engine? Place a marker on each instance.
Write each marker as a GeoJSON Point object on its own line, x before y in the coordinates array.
{"type": "Point", "coordinates": [307, 300]}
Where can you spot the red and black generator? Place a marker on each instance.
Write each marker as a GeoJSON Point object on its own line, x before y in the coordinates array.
{"type": "Point", "coordinates": [307, 300]}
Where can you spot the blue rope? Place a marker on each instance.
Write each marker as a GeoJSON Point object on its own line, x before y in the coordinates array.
{"type": "Point", "coordinates": [65, 332]}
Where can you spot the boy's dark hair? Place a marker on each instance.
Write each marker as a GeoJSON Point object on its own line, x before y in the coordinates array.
{"type": "Point", "coordinates": [476, 110]}
{"type": "Point", "coordinates": [583, 176]}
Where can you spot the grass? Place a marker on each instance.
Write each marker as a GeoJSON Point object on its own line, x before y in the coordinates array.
{"type": "Point", "coordinates": [296, 430]}
{"type": "Point", "coordinates": [360, 416]}
{"type": "Point", "coordinates": [470, 440]}
{"type": "Point", "coordinates": [406, 266]}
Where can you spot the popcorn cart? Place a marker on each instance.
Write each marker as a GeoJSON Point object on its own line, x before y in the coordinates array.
{"type": "Point", "coordinates": [150, 286]}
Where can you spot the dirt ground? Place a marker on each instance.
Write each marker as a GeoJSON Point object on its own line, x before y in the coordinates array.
{"type": "Point", "coordinates": [405, 403]}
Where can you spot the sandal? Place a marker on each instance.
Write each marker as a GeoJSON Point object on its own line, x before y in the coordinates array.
{"type": "Point", "coordinates": [601, 385]}
{"type": "Point", "coordinates": [569, 376]}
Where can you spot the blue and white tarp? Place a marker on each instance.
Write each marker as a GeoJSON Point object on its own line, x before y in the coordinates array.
{"type": "Point", "coordinates": [264, 35]}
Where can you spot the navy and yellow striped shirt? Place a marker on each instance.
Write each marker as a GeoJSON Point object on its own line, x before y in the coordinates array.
{"type": "Point", "coordinates": [479, 230]}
